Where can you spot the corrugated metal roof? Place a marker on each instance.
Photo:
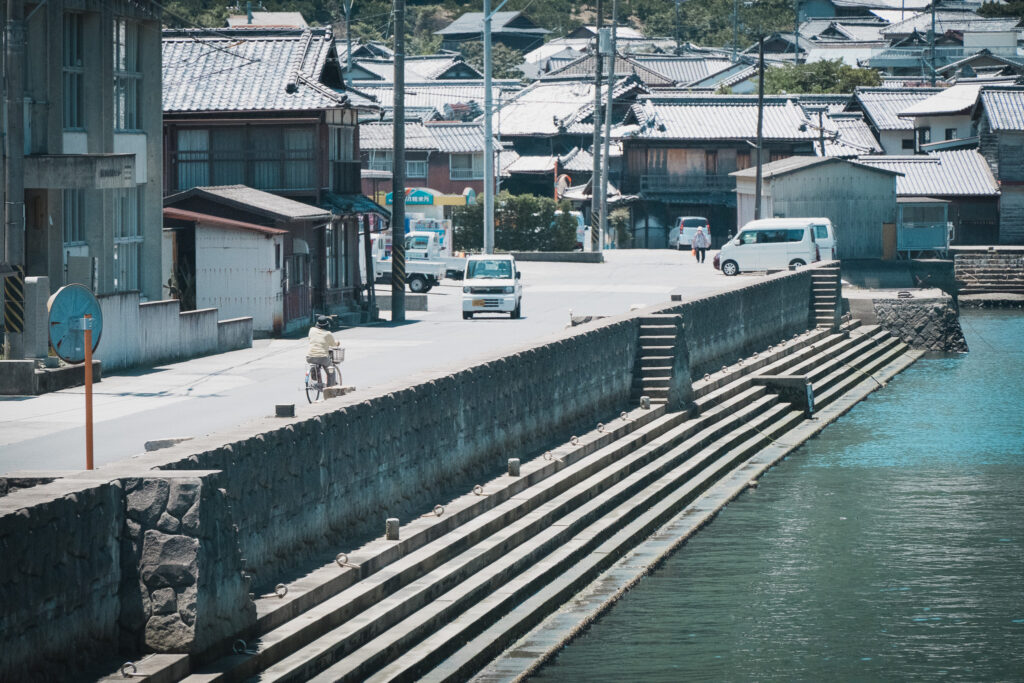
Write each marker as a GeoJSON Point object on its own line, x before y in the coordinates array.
{"type": "Point", "coordinates": [954, 173]}
{"type": "Point", "coordinates": [719, 118]}
{"type": "Point", "coordinates": [246, 70]}
{"type": "Point", "coordinates": [207, 219]}
{"type": "Point", "coordinates": [954, 100]}
{"type": "Point", "coordinates": [1004, 108]}
{"type": "Point", "coordinates": [882, 106]}
{"type": "Point", "coordinates": [793, 164]}
{"type": "Point", "coordinates": [247, 197]}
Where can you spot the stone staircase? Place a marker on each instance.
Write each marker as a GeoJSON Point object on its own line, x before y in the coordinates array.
{"type": "Point", "coordinates": [992, 272]}
{"type": "Point", "coordinates": [825, 290]}
{"type": "Point", "coordinates": [465, 580]}
{"type": "Point", "coordinates": [655, 357]}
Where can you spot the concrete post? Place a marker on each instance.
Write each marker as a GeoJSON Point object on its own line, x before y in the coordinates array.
{"type": "Point", "coordinates": [391, 529]}
{"type": "Point", "coordinates": [37, 292]}
{"type": "Point", "coordinates": [513, 467]}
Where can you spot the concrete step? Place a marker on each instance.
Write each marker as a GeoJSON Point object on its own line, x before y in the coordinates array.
{"type": "Point", "coordinates": [654, 382]}
{"type": "Point", "coordinates": [658, 329]}
{"type": "Point", "coordinates": [585, 503]}
{"type": "Point", "coordinates": [659, 361]}
{"type": "Point", "coordinates": [865, 371]}
{"type": "Point", "coordinates": [594, 547]}
{"type": "Point", "coordinates": [657, 351]}
{"type": "Point", "coordinates": [660, 340]}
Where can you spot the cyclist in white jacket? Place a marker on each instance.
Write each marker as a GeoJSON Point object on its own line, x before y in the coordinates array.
{"type": "Point", "coordinates": [320, 344]}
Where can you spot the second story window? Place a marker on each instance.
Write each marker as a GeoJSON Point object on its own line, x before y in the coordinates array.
{"type": "Point", "coordinates": [466, 166]}
{"type": "Point", "coordinates": [72, 66]}
{"type": "Point", "coordinates": [268, 158]}
{"type": "Point", "coordinates": [127, 77]}
{"type": "Point", "coordinates": [380, 160]}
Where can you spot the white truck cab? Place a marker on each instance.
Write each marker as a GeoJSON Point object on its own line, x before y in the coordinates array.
{"type": "Point", "coordinates": [492, 284]}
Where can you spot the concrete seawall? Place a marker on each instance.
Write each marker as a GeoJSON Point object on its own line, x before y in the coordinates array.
{"type": "Point", "coordinates": [281, 493]}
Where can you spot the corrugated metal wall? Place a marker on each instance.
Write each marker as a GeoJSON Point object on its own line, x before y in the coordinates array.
{"type": "Point", "coordinates": [856, 200]}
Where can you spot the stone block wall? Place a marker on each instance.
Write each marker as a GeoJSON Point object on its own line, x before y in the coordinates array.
{"type": "Point", "coordinates": [60, 577]}
{"type": "Point", "coordinates": [930, 324]}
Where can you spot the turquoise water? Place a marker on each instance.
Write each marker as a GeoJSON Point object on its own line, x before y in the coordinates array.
{"type": "Point", "coordinates": [890, 548]}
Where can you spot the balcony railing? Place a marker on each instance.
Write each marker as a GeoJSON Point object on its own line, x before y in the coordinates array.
{"type": "Point", "coordinates": [693, 182]}
{"type": "Point", "coordinates": [466, 174]}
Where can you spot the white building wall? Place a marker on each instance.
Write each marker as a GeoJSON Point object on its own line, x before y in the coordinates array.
{"type": "Point", "coordinates": [892, 141]}
{"type": "Point", "coordinates": [236, 273]}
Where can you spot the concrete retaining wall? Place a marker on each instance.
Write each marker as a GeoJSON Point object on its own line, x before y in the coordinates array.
{"type": "Point", "coordinates": [154, 332]}
{"type": "Point", "coordinates": [927, 320]}
{"type": "Point", "coordinates": [282, 493]}
{"type": "Point", "coordinates": [560, 256]}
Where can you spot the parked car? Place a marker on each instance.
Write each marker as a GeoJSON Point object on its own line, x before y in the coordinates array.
{"type": "Point", "coordinates": [492, 285]}
{"type": "Point", "coordinates": [681, 235]}
{"type": "Point", "coordinates": [775, 244]}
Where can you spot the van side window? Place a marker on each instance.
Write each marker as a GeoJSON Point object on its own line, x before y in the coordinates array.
{"type": "Point", "coordinates": [749, 237]}
{"type": "Point", "coordinates": [821, 231]}
{"type": "Point", "coordinates": [796, 235]}
{"type": "Point", "coordinates": [771, 236]}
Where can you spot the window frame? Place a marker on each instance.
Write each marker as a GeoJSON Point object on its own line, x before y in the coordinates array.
{"type": "Point", "coordinates": [72, 71]}
{"type": "Point", "coordinates": [127, 76]}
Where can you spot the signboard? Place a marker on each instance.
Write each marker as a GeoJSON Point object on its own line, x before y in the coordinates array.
{"type": "Point", "coordinates": [414, 197]}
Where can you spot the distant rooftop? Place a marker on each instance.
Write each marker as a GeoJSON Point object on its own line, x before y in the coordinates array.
{"type": "Point", "coordinates": [278, 19]}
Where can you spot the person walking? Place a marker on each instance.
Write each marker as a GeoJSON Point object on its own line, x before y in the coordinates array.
{"type": "Point", "coordinates": [701, 242]}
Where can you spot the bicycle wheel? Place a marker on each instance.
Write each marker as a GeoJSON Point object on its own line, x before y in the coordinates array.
{"type": "Point", "coordinates": [313, 384]}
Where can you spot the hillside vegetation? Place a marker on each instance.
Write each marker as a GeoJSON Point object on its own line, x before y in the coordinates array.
{"type": "Point", "coordinates": [704, 22]}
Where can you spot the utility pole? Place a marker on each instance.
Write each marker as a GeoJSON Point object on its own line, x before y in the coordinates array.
{"type": "Point", "coordinates": [348, 40]}
{"type": "Point", "coordinates": [931, 38]}
{"type": "Point", "coordinates": [679, 38]}
{"type": "Point", "coordinates": [398, 173]}
{"type": "Point", "coordinates": [488, 137]}
{"type": "Point", "coordinates": [796, 32]}
{"type": "Point", "coordinates": [735, 27]}
{"type": "Point", "coordinates": [608, 123]}
{"type": "Point", "coordinates": [760, 121]}
{"type": "Point", "coordinates": [595, 200]}
{"type": "Point", "coordinates": [12, 264]}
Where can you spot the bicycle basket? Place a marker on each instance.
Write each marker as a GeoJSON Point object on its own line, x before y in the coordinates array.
{"type": "Point", "coordinates": [337, 354]}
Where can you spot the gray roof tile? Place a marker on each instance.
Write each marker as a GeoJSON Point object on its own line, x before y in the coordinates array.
{"type": "Point", "coordinates": [882, 106]}
{"type": "Point", "coordinates": [1004, 108]}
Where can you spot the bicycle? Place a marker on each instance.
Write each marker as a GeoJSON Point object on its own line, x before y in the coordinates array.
{"type": "Point", "coordinates": [315, 380]}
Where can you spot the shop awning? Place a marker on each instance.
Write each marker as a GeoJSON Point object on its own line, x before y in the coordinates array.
{"type": "Point", "coordinates": [352, 203]}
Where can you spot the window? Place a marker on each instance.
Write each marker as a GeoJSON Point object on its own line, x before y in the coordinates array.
{"type": "Point", "coordinates": [710, 162]}
{"type": "Point", "coordinates": [908, 144]}
{"type": "Point", "coordinates": [334, 242]}
{"type": "Point", "coordinates": [381, 160]}
{"type": "Point", "coordinates": [742, 160]}
{"type": "Point", "coordinates": [748, 237]}
{"type": "Point", "coordinates": [126, 75]}
{"type": "Point", "coordinates": [74, 213]}
{"type": "Point", "coordinates": [417, 168]}
{"type": "Point", "coordinates": [951, 133]}
{"type": "Point", "coordinates": [466, 166]}
{"type": "Point", "coordinates": [73, 72]}
{"type": "Point", "coordinates": [821, 232]}
{"type": "Point", "coordinates": [924, 136]}
{"type": "Point", "coordinates": [127, 239]}
{"type": "Point", "coordinates": [264, 157]}
{"type": "Point", "coordinates": [342, 143]}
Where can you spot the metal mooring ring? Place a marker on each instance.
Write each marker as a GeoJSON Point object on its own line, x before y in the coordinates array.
{"type": "Point", "coordinates": [438, 510]}
{"type": "Point", "coordinates": [600, 426]}
{"type": "Point", "coordinates": [341, 559]}
{"type": "Point", "coordinates": [281, 590]}
{"type": "Point", "coordinates": [478, 490]}
{"type": "Point", "coordinates": [238, 647]}
{"type": "Point", "coordinates": [125, 673]}
{"type": "Point", "coordinates": [548, 456]}
{"type": "Point", "coordinates": [725, 369]}
{"type": "Point", "coordinates": [624, 416]}
{"type": "Point", "coordinates": [575, 440]}
{"type": "Point", "coordinates": [755, 354]}
{"type": "Point", "coordinates": [707, 376]}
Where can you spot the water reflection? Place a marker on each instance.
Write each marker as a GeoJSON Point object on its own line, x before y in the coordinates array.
{"type": "Point", "coordinates": [889, 548]}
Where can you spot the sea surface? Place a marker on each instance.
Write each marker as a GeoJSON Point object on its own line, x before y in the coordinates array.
{"type": "Point", "coordinates": [889, 548]}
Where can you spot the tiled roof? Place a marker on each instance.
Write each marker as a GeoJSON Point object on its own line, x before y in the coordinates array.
{"type": "Point", "coordinates": [417, 69]}
{"type": "Point", "coordinates": [946, 20]}
{"type": "Point", "coordinates": [719, 118]}
{"type": "Point", "coordinates": [882, 106]}
{"type": "Point", "coordinates": [684, 70]}
{"type": "Point", "coordinates": [532, 164]}
{"type": "Point", "coordinates": [882, 4]}
{"type": "Point", "coordinates": [246, 70]}
{"type": "Point", "coordinates": [437, 137]}
{"type": "Point", "coordinates": [850, 136]}
{"type": "Point", "coordinates": [439, 93]}
{"type": "Point", "coordinates": [549, 108]}
{"type": "Point", "coordinates": [577, 161]}
{"type": "Point", "coordinates": [1004, 108]}
{"type": "Point", "coordinates": [207, 219]}
{"type": "Point", "coordinates": [501, 22]}
{"type": "Point", "coordinates": [583, 67]}
{"type": "Point", "coordinates": [963, 173]}
{"type": "Point", "coordinates": [249, 198]}
{"type": "Point", "coordinates": [278, 19]}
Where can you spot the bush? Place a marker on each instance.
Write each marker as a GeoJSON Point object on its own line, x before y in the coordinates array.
{"type": "Point", "coordinates": [521, 223]}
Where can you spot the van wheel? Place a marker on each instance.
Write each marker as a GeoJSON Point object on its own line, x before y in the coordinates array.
{"type": "Point", "coordinates": [797, 262]}
{"type": "Point", "coordinates": [466, 315]}
{"type": "Point", "coordinates": [518, 310]}
{"type": "Point", "coordinates": [730, 268]}
{"type": "Point", "coordinates": [418, 284]}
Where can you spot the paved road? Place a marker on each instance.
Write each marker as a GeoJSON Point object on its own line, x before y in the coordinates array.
{"type": "Point", "coordinates": [215, 393]}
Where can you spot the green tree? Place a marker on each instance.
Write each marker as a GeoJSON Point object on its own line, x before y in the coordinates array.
{"type": "Point", "coordinates": [504, 60]}
{"type": "Point", "coordinates": [521, 223]}
{"type": "Point", "coordinates": [618, 220]}
{"type": "Point", "coordinates": [826, 76]}
{"type": "Point", "coordinates": [1013, 8]}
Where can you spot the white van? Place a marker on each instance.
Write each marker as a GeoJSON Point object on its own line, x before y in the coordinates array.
{"type": "Point", "coordinates": [492, 285]}
{"type": "Point", "coordinates": [776, 244]}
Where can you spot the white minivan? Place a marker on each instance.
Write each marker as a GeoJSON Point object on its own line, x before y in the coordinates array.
{"type": "Point", "coordinates": [776, 244]}
{"type": "Point", "coordinates": [492, 285]}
